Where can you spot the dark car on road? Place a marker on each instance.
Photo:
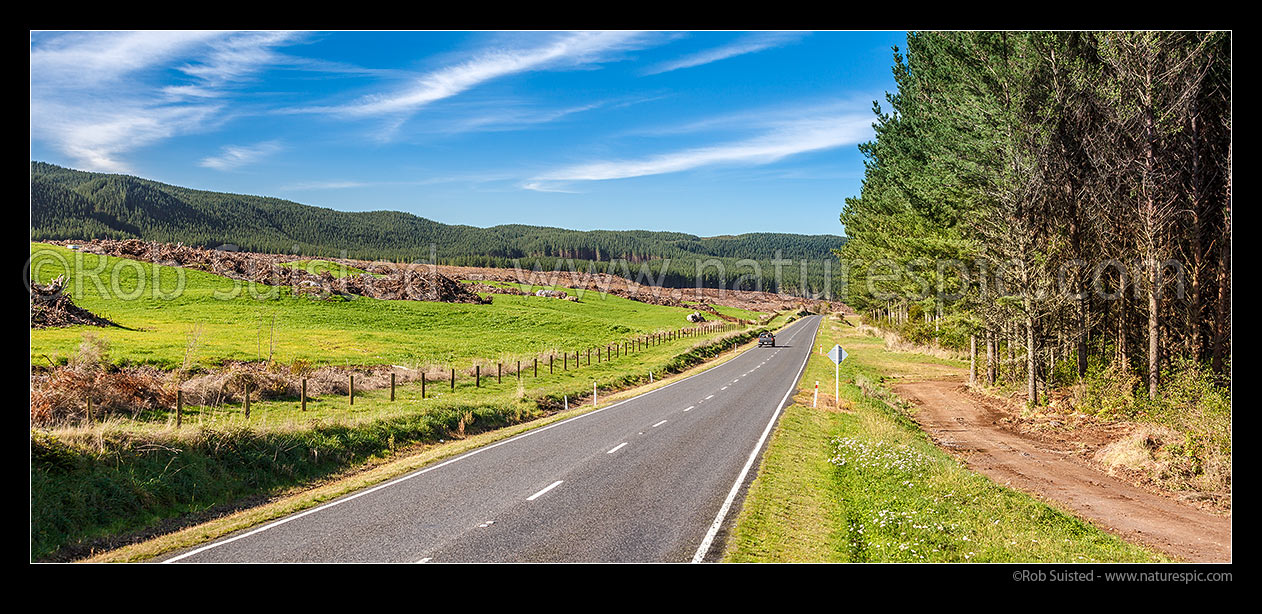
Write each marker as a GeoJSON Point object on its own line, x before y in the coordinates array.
{"type": "Point", "coordinates": [766, 339]}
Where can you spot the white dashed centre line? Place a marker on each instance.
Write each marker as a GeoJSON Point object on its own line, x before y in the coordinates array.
{"type": "Point", "coordinates": [425, 560]}
{"type": "Point", "coordinates": [540, 493]}
{"type": "Point", "coordinates": [616, 448]}
{"type": "Point", "coordinates": [659, 424]}
{"type": "Point", "coordinates": [723, 388]}
{"type": "Point", "coordinates": [689, 407]}
{"type": "Point", "coordinates": [708, 398]}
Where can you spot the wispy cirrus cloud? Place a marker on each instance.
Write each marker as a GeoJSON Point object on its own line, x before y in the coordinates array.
{"type": "Point", "coordinates": [325, 185]}
{"type": "Point", "coordinates": [541, 186]}
{"type": "Point", "coordinates": [564, 51]}
{"type": "Point", "coordinates": [776, 141]}
{"type": "Point", "coordinates": [748, 44]}
{"type": "Point", "coordinates": [96, 96]}
{"type": "Point", "coordinates": [236, 156]}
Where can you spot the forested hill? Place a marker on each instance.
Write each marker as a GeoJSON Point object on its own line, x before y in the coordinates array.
{"type": "Point", "coordinates": [72, 204]}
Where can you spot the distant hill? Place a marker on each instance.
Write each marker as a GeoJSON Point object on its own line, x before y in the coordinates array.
{"type": "Point", "coordinates": [72, 204]}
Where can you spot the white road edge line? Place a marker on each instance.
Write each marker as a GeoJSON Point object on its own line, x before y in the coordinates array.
{"type": "Point", "coordinates": [540, 493]}
{"type": "Point", "coordinates": [420, 472]}
{"type": "Point", "coordinates": [616, 448]}
{"type": "Point", "coordinates": [736, 487]}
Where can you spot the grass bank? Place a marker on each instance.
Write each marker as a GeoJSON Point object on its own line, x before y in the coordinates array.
{"type": "Point", "coordinates": [856, 480]}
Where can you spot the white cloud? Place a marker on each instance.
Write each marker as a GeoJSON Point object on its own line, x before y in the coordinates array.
{"type": "Point", "coordinates": [749, 44]}
{"type": "Point", "coordinates": [236, 156]}
{"type": "Point", "coordinates": [539, 186]}
{"type": "Point", "coordinates": [568, 50]}
{"type": "Point", "coordinates": [96, 96]}
{"type": "Point", "coordinates": [777, 142]}
{"type": "Point", "coordinates": [237, 57]}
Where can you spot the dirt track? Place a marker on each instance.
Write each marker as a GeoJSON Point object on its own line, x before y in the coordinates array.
{"type": "Point", "coordinates": [970, 430]}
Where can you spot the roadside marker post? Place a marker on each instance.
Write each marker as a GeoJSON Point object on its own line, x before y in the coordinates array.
{"type": "Point", "coordinates": [837, 355]}
{"type": "Point", "coordinates": [594, 401]}
{"type": "Point", "coordinates": [815, 403]}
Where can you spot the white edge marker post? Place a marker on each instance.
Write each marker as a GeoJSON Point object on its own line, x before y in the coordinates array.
{"type": "Point", "coordinates": [594, 403]}
{"type": "Point", "coordinates": [815, 402]}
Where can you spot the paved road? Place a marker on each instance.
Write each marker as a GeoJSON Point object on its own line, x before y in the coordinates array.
{"type": "Point", "coordinates": [656, 478]}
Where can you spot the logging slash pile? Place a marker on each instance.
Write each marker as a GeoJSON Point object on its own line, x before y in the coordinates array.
{"type": "Point", "coordinates": [52, 307]}
{"type": "Point", "coordinates": [383, 281]}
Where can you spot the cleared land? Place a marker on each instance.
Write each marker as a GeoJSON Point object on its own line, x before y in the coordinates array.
{"type": "Point", "coordinates": [213, 319]}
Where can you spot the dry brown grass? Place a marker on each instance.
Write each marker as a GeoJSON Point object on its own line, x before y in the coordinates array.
{"type": "Point", "coordinates": [1162, 455]}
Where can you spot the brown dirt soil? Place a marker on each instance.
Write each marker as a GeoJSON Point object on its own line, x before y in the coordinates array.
{"type": "Point", "coordinates": [1052, 466]}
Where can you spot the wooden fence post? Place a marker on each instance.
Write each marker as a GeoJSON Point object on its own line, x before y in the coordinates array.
{"type": "Point", "coordinates": [550, 369]}
{"type": "Point", "coordinates": [499, 373]}
{"type": "Point", "coordinates": [247, 400]}
{"type": "Point", "coordinates": [392, 387]}
{"type": "Point", "coordinates": [352, 387]}
{"type": "Point", "coordinates": [536, 366]}
{"type": "Point", "coordinates": [589, 357]}
{"type": "Point", "coordinates": [422, 385]}
{"type": "Point", "coordinates": [477, 376]}
{"type": "Point", "coordinates": [565, 362]}
{"type": "Point", "coordinates": [453, 379]}
{"type": "Point", "coordinates": [179, 407]}
{"type": "Point", "coordinates": [303, 395]}
{"type": "Point", "coordinates": [519, 369]}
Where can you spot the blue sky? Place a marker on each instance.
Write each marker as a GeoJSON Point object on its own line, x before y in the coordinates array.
{"type": "Point", "coordinates": [708, 133]}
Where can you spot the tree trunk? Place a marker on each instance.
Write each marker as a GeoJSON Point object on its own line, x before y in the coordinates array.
{"type": "Point", "coordinates": [1031, 357]}
{"type": "Point", "coordinates": [990, 358]}
{"type": "Point", "coordinates": [972, 361]}
{"type": "Point", "coordinates": [1221, 332]}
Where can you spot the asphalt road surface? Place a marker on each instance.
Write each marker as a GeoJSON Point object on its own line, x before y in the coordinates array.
{"type": "Point", "coordinates": [655, 478]}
